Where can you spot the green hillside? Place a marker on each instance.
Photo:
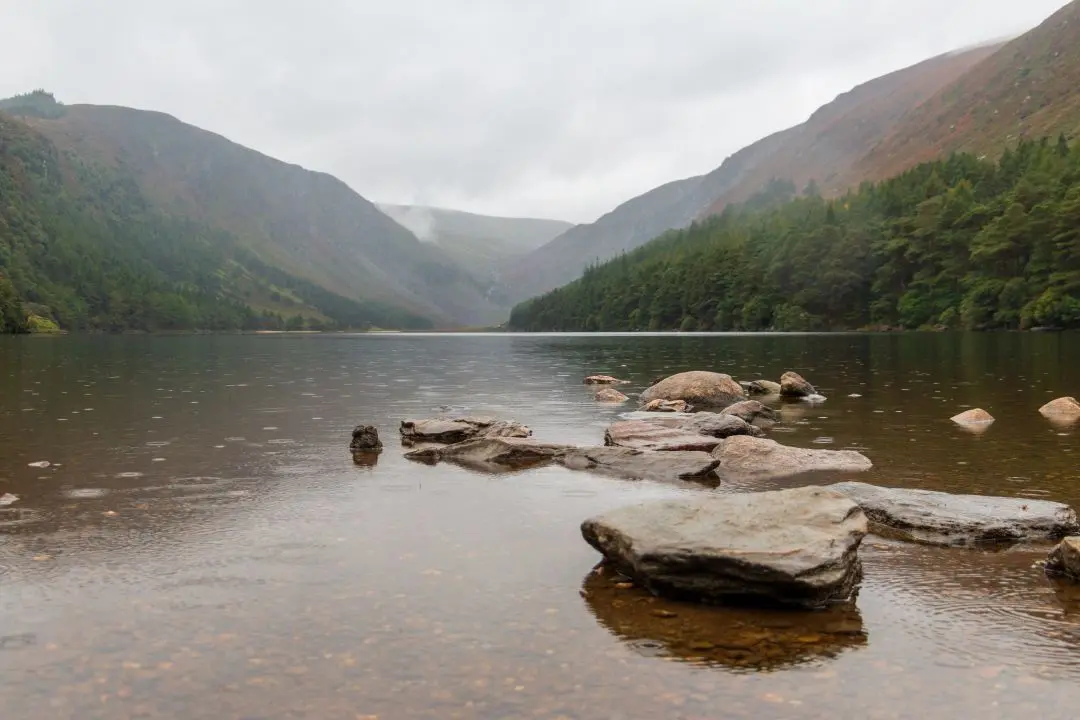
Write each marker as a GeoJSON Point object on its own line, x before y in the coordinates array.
{"type": "Point", "coordinates": [82, 246]}
{"type": "Point", "coordinates": [958, 243]}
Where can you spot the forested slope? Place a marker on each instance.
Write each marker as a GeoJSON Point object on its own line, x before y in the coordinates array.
{"type": "Point", "coordinates": [959, 243]}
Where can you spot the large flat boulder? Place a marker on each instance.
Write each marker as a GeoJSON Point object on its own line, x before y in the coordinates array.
{"type": "Point", "coordinates": [697, 387]}
{"type": "Point", "coordinates": [491, 454]}
{"type": "Point", "coordinates": [945, 519]}
{"type": "Point", "coordinates": [454, 430]}
{"type": "Point", "coordinates": [640, 464]}
{"type": "Point", "coordinates": [786, 547]}
{"type": "Point", "coordinates": [762, 457]}
{"type": "Point", "coordinates": [648, 435]}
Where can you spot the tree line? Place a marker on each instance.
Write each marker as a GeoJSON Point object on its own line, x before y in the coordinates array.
{"type": "Point", "coordinates": [961, 243]}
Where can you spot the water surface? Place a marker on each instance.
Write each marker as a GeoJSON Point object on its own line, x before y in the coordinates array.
{"type": "Point", "coordinates": [202, 544]}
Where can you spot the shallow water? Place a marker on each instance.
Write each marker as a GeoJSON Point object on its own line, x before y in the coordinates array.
{"type": "Point", "coordinates": [202, 544]}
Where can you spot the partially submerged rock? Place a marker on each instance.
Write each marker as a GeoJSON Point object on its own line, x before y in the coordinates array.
{"type": "Point", "coordinates": [640, 464]}
{"type": "Point", "coordinates": [1065, 559]}
{"type": "Point", "coordinates": [604, 380]}
{"type": "Point", "coordinates": [751, 411]}
{"type": "Point", "coordinates": [454, 430]}
{"type": "Point", "coordinates": [1064, 410]}
{"type": "Point", "coordinates": [610, 395]}
{"type": "Point", "coordinates": [944, 519]}
{"type": "Point", "coordinates": [699, 388]}
{"type": "Point", "coordinates": [492, 453]}
{"type": "Point", "coordinates": [719, 425]}
{"type": "Point", "coordinates": [762, 387]}
{"type": "Point", "coordinates": [975, 416]}
{"type": "Point", "coordinates": [794, 385]}
{"type": "Point", "coordinates": [645, 435]}
{"type": "Point", "coordinates": [365, 438]}
{"type": "Point", "coordinates": [667, 406]}
{"type": "Point", "coordinates": [788, 547]}
{"type": "Point", "coordinates": [761, 457]}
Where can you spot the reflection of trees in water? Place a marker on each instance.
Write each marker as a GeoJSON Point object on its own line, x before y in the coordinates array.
{"type": "Point", "coordinates": [732, 638]}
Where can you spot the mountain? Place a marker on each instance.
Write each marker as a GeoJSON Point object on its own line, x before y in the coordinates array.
{"type": "Point", "coordinates": [306, 224]}
{"type": "Point", "coordinates": [83, 247]}
{"type": "Point", "coordinates": [962, 242]}
{"type": "Point", "coordinates": [1028, 88]}
{"type": "Point", "coordinates": [834, 138]}
{"type": "Point", "coordinates": [482, 244]}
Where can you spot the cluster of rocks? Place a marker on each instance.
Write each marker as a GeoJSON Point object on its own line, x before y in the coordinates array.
{"type": "Point", "coordinates": [1062, 411]}
{"type": "Point", "coordinates": [795, 547]}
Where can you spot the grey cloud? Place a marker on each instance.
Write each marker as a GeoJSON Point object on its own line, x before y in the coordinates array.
{"type": "Point", "coordinates": [535, 107]}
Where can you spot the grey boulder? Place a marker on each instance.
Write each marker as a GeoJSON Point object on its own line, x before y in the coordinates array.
{"type": "Point", "coordinates": [648, 435]}
{"type": "Point", "coordinates": [944, 519]}
{"type": "Point", "coordinates": [794, 547]}
{"type": "Point", "coordinates": [454, 430]}
{"type": "Point", "coordinates": [365, 438]}
{"type": "Point", "coordinates": [764, 458]}
{"type": "Point", "coordinates": [640, 464]}
{"type": "Point", "coordinates": [697, 387]}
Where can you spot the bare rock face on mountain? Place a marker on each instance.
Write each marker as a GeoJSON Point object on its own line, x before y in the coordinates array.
{"type": "Point", "coordinates": [945, 519]}
{"type": "Point", "coordinates": [763, 458]}
{"type": "Point", "coordinates": [455, 430]}
{"type": "Point", "coordinates": [697, 387]}
{"type": "Point", "coordinates": [788, 547]}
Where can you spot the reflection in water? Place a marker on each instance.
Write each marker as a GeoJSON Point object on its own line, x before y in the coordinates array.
{"type": "Point", "coordinates": [366, 458]}
{"type": "Point", "coordinates": [732, 638]}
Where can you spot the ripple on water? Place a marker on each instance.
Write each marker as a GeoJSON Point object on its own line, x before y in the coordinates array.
{"type": "Point", "coordinates": [979, 608]}
{"type": "Point", "coordinates": [15, 516]}
{"type": "Point", "coordinates": [85, 493]}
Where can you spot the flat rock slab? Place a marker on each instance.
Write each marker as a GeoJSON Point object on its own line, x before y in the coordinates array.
{"type": "Point", "coordinates": [491, 454]}
{"type": "Point", "coordinates": [761, 457]}
{"type": "Point", "coordinates": [647, 435]}
{"type": "Point", "coordinates": [794, 547]}
{"type": "Point", "coordinates": [698, 387]}
{"type": "Point", "coordinates": [944, 519]}
{"type": "Point", "coordinates": [454, 430]}
{"type": "Point", "coordinates": [640, 464]}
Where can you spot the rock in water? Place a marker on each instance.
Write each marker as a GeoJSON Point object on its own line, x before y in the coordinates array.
{"type": "Point", "coordinates": [789, 547]}
{"type": "Point", "coordinates": [975, 416]}
{"type": "Point", "coordinates": [762, 387]}
{"type": "Point", "coordinates": [792, 384]}
{"type": "Point", "coordinates": [610, 395]}
{"type": "Point", "coordinates": [667, 406]}
{"type": "Point", "coordinates": [1065, 559]}
{"type": "Point", "coordinates": [645, 435]}
{"type": "Point", "coordinates": [365, 438]}
{"type": "Point", "coordinates": [459, 429]}
{"type": "Point", "coordinates": [640, 464]}
{"type": "Point", "coordinates": [491, 454]}
{"type": "Point", "coordinates": [719, 426]}
{"type": "Point", "coordinates": [1064, 410]}
{"type": "Point", "coordinates": [943, 519]}
{"type": "Point", "coordinates": [751, 410]}
{"type": "Point", "coordinates": [603, 380]}
{"type": "Point", "coordinates": [699, 388]}
{"type": "Point", "coordinates": [761, 457]}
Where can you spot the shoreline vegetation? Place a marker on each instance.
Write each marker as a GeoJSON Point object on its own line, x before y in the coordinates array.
{"type": "Point", "coordinates": [962, 243]}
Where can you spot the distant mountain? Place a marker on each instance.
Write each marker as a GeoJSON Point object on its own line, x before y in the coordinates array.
{"type": "Point", "coordinates": [823, 148]}
{"type": "Point", "coordinates": [306, 224]}
{"type": "Point", "coordinates": [482, 244]}
{"type": "Point", "coordinates": [1028, 88]}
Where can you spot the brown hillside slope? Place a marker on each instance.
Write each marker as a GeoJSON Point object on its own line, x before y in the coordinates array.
{"type": "Point", "coordinates": [1028, 88]}
{"type": "Point", "coordinates": [832, 141]}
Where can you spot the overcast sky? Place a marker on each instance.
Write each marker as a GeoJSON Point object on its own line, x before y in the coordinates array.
{"type": "Point", "coordinates": [556, 108]}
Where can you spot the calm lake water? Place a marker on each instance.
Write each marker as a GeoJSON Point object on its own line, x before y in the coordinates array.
{"type": "Point", "coordinates": [203, 546]}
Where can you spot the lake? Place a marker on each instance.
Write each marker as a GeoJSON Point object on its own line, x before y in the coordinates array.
{"type": "Point", "coordinates": [203, 545]}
